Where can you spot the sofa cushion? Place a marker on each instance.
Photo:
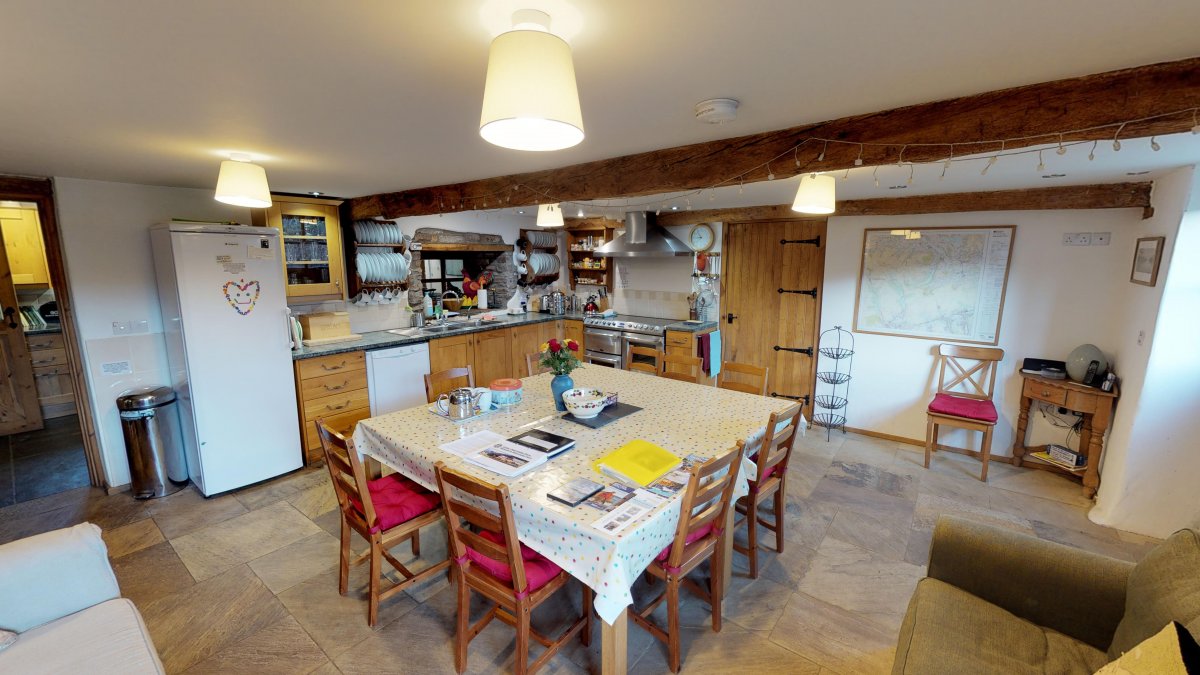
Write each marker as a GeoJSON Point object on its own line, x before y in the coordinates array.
{"type": "Point", "coordinates": [1163, 587]}
{"type": "Point", "coordinates": [1171, 652]}
{"type": "Point", "coordinates": [105, 638]}
{"type": "Point", "coordinates": [948, 630]}
{"type": "Point", "coordinates": [51, 575]}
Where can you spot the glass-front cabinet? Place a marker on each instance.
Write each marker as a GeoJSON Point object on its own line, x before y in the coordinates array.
{"type": "Point", "coordinates": [312, 245]}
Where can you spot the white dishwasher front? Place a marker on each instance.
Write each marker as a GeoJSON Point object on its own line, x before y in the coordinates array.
{"type": "Point", "coordinates": [396, 377]}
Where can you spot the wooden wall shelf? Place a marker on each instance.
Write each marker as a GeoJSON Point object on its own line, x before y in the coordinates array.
{"type": "Point", "coordinates": [591, 236]}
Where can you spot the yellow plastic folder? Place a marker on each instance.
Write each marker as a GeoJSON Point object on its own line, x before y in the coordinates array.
{"type": "Point", "coordinates": [639, 462]}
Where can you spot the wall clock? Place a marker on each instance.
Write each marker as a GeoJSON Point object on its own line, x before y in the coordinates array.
{"type": "Point", "coordinates": [701, 238]}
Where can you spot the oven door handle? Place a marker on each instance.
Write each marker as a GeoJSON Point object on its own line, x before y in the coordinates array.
{"type": "Point", "coordinates": [601, 333]}
{"type": "Point", "coordinates": [649, 340]}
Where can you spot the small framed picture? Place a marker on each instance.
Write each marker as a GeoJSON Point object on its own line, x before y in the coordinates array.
{"type": "Point", "coordinates": [1146, 257]}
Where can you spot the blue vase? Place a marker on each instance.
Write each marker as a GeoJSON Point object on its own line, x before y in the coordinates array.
{"type": "Point", "coordinates": [559, 385]}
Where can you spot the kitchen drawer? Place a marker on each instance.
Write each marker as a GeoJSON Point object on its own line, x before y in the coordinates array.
{"type": "Point", "coordinates": [679, 339]}
{"type": "Point", "coordinates": [342, 423]}
{"type": "Point", "coordinates": [47, 341]}
{"type": "Point", "coordinates": [336, 404]}
{"type": "Point", "coordinates": [1045, 392]}
{"type": "Point", "coordinates": [334, 383]}
{"type": "Point", "coordinates": [48, 357]}
{"type": "Point", "coordinates": [334, 363]}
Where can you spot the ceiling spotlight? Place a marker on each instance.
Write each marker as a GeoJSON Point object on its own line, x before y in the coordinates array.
{"type": "Point", "coordinates": [530, 99]}
{"type": "Point", "coordinates": [315, 193]}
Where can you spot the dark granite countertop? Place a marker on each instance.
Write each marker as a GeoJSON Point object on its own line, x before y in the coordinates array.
{"type": "Point", "coordinates": [43, 331]}
{"type": "Point", "coordinates": [383, 339]}
{"type": "Point", "coordinates": [698, 327]}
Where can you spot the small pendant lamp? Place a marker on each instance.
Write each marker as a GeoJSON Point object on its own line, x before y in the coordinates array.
{"type": "Point", "coordinates": [816, 194]}
{"type": "Point", "coordinates": [242, 183]}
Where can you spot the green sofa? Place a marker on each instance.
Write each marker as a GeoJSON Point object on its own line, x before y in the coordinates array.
{"type": "Point", "coordinates": [997, 601]}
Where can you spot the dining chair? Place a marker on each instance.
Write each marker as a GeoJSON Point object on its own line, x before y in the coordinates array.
{"type": "Point", "coordinates": [443, 381]}
{"type": "Point", "coordinates": [687, 368]}
{"type": "Point", "coordinates": [533, 364]}
{"type": "Point", "coordinates": [770, 480]}
{"type": "Point", "coordinates": [966, 381]}
{"type": "Point", "coordinates": [698, 537]}
{"type": "Point", "coordinates": [490, 561]}
{"type": "Point", "coordinates": [743, 377]}
{"type": "Point", "coordinates": [641, 367]}
{"type": "Point", "coordinates": [386, 512]}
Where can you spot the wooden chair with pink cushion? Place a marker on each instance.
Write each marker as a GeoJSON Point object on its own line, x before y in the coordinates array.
{"type": "Point", "coordinates": [698, 538]}
{"type": "Point", "coordinates": [743, 377]}
{"type": "Point", "coordinates": [966, 381]}
{"type": "Point", "coordinates": [770, 480]}
{"type": "Point", "coordinates": [533, 364]}
{"type": "Point", "coordinates": [386, 512]}
{"type": "Point", "coordinates": [682, 367]}
{"type": "Point", "coordinates": [490, 561]}
{"type": "Point", "coordinates": [653, 368]}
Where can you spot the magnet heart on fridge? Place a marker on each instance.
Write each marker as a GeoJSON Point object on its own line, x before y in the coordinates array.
{"type": "Point", "coordinates": [242, 295]}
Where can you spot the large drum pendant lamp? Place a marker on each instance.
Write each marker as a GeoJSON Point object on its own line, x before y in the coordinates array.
{"type": "Point", "coordinates": [530, 101]}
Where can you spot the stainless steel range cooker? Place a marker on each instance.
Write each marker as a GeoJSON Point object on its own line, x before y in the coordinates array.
{"type": "Point", "coordinates": [608, 339]}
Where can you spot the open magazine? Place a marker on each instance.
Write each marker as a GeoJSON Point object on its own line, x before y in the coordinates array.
{"type": "Point", "coordinates": [494, 453]}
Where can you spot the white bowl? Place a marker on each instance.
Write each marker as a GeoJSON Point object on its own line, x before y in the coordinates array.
{"type": "Point", "coordinates": [585, 404]}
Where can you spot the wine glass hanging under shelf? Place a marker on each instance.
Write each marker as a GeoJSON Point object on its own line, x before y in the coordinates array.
{"type": "Point", "coordinates": [835, 346]}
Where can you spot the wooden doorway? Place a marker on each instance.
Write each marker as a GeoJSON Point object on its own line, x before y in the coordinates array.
{"type": "Point", "coordinates": [772, 301]}
{"type": "Point", "coordinates": [65, 349]}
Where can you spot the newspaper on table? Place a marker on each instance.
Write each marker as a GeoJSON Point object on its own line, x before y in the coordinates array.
{"type": "Point", "coordinates": [677, 479]}
{"type": "Point", "coordinates": [496, 454]}
{"type": "Point", "coordinates": [636, 505]}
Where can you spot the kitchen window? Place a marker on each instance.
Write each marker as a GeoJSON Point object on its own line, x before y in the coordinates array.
{"type": "Point", "coordinates": [443, 274]}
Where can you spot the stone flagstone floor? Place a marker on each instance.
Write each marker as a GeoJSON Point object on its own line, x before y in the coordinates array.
{"type": "Point", "coordinates": [247, 582]}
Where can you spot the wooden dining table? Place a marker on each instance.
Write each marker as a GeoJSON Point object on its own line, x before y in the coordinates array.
{"type": "Point", "coordinates": [682, 417]}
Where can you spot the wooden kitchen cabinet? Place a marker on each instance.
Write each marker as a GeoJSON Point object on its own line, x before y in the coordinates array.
{"type": "Point", "coordinates": [683, 343]}
{"type": "Point", "coordinates": [493, 356]}
{"type": "Point", "coordinates": [525, 340]}
{"type": "Point", "coordinates": [452, 352]}
{"type": "Point", "coordinates": [312, 260]}
{"type": "Point", "coordinates": [24, 247]}
{"type": "Point", "coordinates": [332, 388]}
{"type": "Point", "coordinates": [52, 374]}
{"type": "Point", "coordinates": [573, 330]}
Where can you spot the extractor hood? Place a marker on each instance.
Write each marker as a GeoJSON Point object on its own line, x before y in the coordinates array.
{"type": "Point", "coordinates": [643, 238]}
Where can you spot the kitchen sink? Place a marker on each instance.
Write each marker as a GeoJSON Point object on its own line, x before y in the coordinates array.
{"type": "Point", "coordinates": [436, 329]}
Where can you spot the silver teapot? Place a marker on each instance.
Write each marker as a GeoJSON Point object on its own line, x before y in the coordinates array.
{"type": "Point", "coordinates": [458, 404]}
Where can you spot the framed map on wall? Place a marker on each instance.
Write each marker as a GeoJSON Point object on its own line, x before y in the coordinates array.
{"type": "Point", "coordinates": [934, 283]}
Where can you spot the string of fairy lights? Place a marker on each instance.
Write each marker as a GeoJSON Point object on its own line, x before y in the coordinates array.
{"type": "Point", "coordinates": [955, 152]}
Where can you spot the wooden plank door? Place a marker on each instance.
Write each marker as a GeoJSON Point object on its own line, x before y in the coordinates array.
{"type": "Point", "coordinates": [761, 325]}
{"type": "Point", "coordinates": [19, 409]}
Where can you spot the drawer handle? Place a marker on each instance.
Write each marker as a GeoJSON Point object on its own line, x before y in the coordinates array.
{"type": "Point", "coordinates": [337, 388]}
{"type": "Point", "coordinates": [43, 362]}
{"type": "Point", "coordinates": [337, 367]}
{"type": "Point", "coordinates": [1045, 392]}
{"type": "Point", "coordinates": [337, 407]}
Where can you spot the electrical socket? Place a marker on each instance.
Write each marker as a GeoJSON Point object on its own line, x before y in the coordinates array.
{"type": "Point", "coordinates": [142, 326]}
{"type": "Point", "coordinates": [1077, 239]}
{"type": "Point", "coordinates": [1101, 238]}
{"type": "Point", "coordinates": [121, 328]}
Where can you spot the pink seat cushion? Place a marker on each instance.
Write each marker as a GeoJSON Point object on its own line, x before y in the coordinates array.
{"type": "Point", "coordinates": [970, 408]}
{"type": "Point", "coordinates": [691, 538]}
{"type": "Point", "coordinates": [398, 500]}
{"type": "Point", "coordinates": [770, 472]}
{"type": "Point", "coordinates": [538, 570]}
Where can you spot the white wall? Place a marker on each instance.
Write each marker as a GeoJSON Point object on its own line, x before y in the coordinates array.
{"type": "Point", "coordinates": [105, 231]}
{"type": "Point", "coordinates": [1057, 298]}
{"type": "Point", "coordinates": [1151, 461]}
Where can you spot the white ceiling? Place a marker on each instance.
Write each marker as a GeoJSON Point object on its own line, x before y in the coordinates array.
{"type": "Point", "coordinates": [358, 97]}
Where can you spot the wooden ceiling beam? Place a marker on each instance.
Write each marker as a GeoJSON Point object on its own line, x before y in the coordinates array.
{"type": "Point", "coordinates": [1105, 196]}
{"type": "Point", "coordinates": [1035, 113]}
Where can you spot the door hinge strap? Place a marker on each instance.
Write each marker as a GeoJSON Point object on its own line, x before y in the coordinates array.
{"type": "Point", "coordinates": [815, 241]}
{"type": "Point", "coordinates": [805, 398]}
{"type": "Point", "coordinates": [807, 350]}
{"type": "Point", "coordinates": [812, 292]}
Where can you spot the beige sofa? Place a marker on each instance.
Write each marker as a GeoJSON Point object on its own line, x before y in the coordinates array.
{"type": "Point", "coordinates": [997, 601]}
{"type": "Point", "coordinates": [59, 595]}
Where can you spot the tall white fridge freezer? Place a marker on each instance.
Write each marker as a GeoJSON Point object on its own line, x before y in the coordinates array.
{"type": "Point", "coordinates": [221, 289]}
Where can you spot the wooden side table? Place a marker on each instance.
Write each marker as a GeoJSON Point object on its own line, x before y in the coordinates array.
{"type": "Point", "coordinates": [1097, 408]}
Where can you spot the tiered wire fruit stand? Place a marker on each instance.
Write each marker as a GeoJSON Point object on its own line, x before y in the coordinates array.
{"type": "Point", "coordinates": [835, 347]}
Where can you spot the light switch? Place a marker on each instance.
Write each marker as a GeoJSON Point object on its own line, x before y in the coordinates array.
{"type": "Point", "coordinates": [142, 326]}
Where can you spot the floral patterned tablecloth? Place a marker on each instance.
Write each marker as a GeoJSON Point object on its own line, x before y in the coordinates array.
{"type": "Point", "coordinates": [681, 417]}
